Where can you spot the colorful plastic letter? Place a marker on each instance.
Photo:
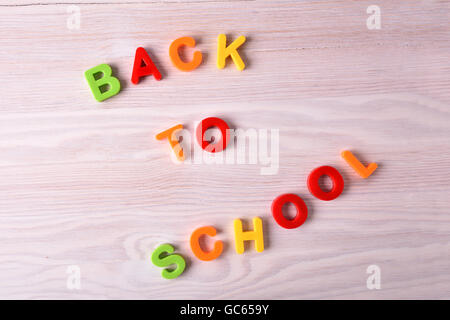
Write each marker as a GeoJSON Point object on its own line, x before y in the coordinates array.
{"type": "Point", "coordinates": [173, 141]}
{"type": "Point", "coordinates": [223, 52]}
{"type": "Point", "coordinates": [207, 123]}
{"type": "Point", "coordinates": [256, 234]}
{"type": "Point", "coordinates": [277, 211]}
{"type": "Point", "coordinates": [139, 70]}
{"type": "Point", "coordinates": [363, 171]}
{"type": "Point", "coordinates": [167, 260]}
{"type": "Point", "coordinates": [313, 183]}
{"type": "Point", "coordinates": [99, 84]}
{"type": "Point", "coordinates": [175, 57]}
{"type": "Point", "coordinates": [198, 251]}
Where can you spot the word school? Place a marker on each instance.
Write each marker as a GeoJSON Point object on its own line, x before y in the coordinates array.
{"type": "Point", "coordinates": [164, 257]}
{"type": "Point", "coordinates": [104, 85]}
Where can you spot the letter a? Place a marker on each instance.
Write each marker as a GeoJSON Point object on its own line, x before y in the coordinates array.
{"type": "Point", "coordinates": [147, 69]}
{"type": "Point", "coordinates": [374, 280]}
{"type": "Point", "coordinates": [374, 21]}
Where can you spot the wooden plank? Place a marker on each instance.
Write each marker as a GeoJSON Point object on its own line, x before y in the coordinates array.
{"type": "Point", "coordinates": [86, 184]}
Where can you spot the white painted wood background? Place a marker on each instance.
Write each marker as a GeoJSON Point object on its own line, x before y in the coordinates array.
{"type": "Point", "coordinates": [85, 183]}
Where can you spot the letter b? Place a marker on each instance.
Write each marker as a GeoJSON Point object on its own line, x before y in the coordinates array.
{"type": "Point", "coordinates": [99, 85]}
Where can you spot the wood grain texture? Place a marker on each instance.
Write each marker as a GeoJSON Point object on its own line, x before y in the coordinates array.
{"type": "Point", "coordinates": [85, 183]}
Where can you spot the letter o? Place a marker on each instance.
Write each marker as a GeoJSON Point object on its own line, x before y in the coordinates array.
{"type": "Point", "coordinates": [207, 123]}
{"type": "Point", "coordinates": [313, 183]}
{"type": "Point", "coordinates": [277, 211]}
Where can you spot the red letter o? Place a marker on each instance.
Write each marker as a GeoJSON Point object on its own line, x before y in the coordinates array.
{"type": "Point", "coordinates": [207, 123]}
{"type": "Point", "coordinates": [313, 183]}
{"type": "Point", "coordinates": [277, 211]}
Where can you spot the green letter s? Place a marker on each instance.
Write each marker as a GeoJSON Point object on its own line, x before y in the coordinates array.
{"type": "Point", "coordinates": [167, 260]}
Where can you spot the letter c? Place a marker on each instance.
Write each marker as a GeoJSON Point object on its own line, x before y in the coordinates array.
{"type": "Point", "coordinates": [198, 251]}
{"type": "Point", "coordinates": [175, 57]}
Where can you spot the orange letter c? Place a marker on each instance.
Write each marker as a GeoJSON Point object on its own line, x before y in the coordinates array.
{"type": "Point", "coordinates": [198, 251]}
{"type": "Point", "coordinates": [175, 57]}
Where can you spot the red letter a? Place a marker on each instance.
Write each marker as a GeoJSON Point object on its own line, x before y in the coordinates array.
{"type": "Point", "coordinates": [141, 71]}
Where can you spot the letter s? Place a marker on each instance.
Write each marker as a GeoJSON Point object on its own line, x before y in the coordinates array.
{"type": "Point", "coordinates": [161, 257]}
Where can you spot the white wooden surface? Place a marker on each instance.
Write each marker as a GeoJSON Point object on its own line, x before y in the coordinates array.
{"type": "Point", "coordinates": [85, 183]}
